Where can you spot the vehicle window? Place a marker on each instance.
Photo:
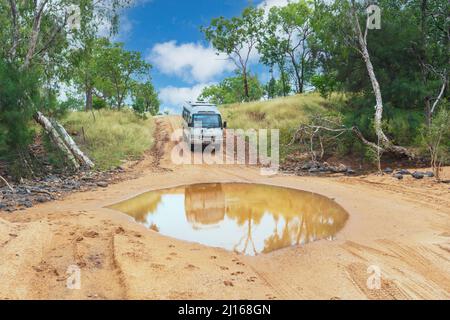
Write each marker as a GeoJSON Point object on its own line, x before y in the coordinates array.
{"type": "Point", "coordinates": [207, 120]}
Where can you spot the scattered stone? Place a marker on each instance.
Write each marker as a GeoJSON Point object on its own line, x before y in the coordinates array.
{"type": "Point", "coordinates": [102, 184]}
{"type": "Point", "coordinates": [228, 283]}
{"type": "Point", "coordinates": [333, 169]}
{"type": "Point", "coordinates": [418, 175]}
{"type": "Point", "coordinates": [90, 234]}
{"type": "Point", "coordinates": [403, 172]}
{"type": "Point", "coordinates": [429, 174]}
{"type": "Point", "coordinates": [342, 168]}
{"type": "Point", "coordinates": [350, 171]}
{"type": "Point", "coordinates": [306, 167]}
{"type": "Point", "coordinates": [398, 176]}
{"type": "Point", "coordinates": [120, 230]}
{"type": "Point", "coordinates": [313, 170]}
{"type": "Point", "coordinates": [2, 206]}
{"type": "Point", "coordinates": [42, 199]}
{"type": "Point", "coordinates": [388, 170]}
{"type": "Point", "coordinates": [79, 239]}
{"type": "Point", "coordinates": [27, 203]}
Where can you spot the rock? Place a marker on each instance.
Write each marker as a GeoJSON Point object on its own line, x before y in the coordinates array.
{"type": "Point", "coordinates": [388, 170]}
{"type": "Point", "coordinates": [2, 206]}
{"type": "Point", "coordinates": [41, 199]}
{"type": "Point", "coordinates": [310, 165]}
{"type": "Point", "coordinates": [342, 168]}
{"type": "Point", "coordinates": [418, 175]}
{"type": "Point", "coordinates": [90, 234]}
{"type": "Point", "coordinates": [228, 283]}
{"type": "Point", "coordinates": [429, 174]}
{"type": "Point", "coordinates": [398, 176]}
{"type": "Point", "coordinates": [306, 167]}
{"type": "Point", "coordinates": [314, 170]}
{"type": "Point", "coordinates": [26, 203]}
{"type": "Point", "coordinates": [102, 184]}
{"type": "Point", "coordinates": [350, 171]}
{"type": "Point", "coordinates": [403, 172]}
{"type": "Point", "coordinates": [120, 230]}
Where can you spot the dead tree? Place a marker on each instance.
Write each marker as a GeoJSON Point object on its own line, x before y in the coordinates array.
{"type": "Point", "coordinates": [361, 40]}
{"type": "Point", "coordinates": [56, 138]}
{"type": "Point", "coordinates": [73, 147]}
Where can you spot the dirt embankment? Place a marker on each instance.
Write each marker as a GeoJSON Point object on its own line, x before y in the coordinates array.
{"type": "Point", "coordinates": [401, 228]}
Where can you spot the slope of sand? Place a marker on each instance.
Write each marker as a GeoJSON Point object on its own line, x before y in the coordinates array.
{"type": "Point", "coordinates": [402, 227]}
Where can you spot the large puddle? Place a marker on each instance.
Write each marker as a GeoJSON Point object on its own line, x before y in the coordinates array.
{"type": "Point", "coordinates": [245, 218]}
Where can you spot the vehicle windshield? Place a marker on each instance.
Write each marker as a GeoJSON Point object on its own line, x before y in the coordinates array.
{"type": "Point", "coordinates": [207, 121]}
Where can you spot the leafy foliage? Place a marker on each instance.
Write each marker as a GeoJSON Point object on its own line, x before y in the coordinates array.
{"type": "Point", "coordinates": [145, 99]}
{"type": "Point", "coordinates": [230, 91]}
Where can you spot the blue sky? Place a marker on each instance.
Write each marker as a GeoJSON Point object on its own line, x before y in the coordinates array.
{"type": "Point", "coordinates": [167, 33]}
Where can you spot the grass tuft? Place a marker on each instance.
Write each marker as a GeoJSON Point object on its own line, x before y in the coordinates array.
{"type": "Point", "coordinates": [112, 137]}
{"type": "Point", "coordinates": [285, 114]}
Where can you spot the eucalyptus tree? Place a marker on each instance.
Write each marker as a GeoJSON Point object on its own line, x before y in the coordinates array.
{"type": "Point", "coordinates": [285, 40]}
{"type": "Point", "coordinates": [145, 98]}
{"type": "Point", "coordinates": [36, 37]}
{"type": "Point", "coordinates": [237, 38]}
{"type": "Point", "coordinates": [117, 69]}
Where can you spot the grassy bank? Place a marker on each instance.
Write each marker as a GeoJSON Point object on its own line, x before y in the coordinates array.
{"type": "Point", "coordinates": [285, 114]}
{"type": "Point", "coordinates": [110, 137]}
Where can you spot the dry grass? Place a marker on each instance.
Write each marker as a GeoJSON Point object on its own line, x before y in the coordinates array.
{"type": "Point", "coordinates": [285, 114]}
{"type": "Point", "coordinates": [280, 113]}
{"type": "Point", "coordinates": [113, 136]}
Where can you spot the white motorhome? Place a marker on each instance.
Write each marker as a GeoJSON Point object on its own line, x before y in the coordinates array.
{"type": "Point", "coordinates": [202, 124]}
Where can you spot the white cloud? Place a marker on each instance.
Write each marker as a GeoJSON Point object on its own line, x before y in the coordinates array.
{"type": "Point", "coordinates": [175, 96]}
{"type": "Point", "coordinates": [267, 4]}
{"type": "Point", "coordinates": [190, 61]}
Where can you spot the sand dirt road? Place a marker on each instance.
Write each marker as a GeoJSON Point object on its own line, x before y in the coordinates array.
{"type": "Point", "coordinates": [402, 227]}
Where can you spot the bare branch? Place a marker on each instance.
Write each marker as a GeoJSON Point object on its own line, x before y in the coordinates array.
{"type": "Point", "coordinates": [441, 94]}
{"type": "Point", "coordinates": [15, 33]}
{"type": "Point", "coordinates": [55, 32]}
{"type": "Point", "coordinates": [7, 184]}
{"type": "Point", "coordinates": [35, 33]}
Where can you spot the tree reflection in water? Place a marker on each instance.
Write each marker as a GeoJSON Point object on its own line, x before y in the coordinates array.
{"type": "Point", "coordinates": [255, 218]}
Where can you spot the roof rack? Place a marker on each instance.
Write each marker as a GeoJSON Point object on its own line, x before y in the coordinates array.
{"type": "Point", "coordinates": [200, 103]}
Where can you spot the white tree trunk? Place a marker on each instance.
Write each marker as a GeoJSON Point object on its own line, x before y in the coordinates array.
{"type": "Point", "coordinates": [79, 155]}
{"type": "Point", "coordinates": [56, 138]}
{"type": "Point", "coordinates": [382, 138]}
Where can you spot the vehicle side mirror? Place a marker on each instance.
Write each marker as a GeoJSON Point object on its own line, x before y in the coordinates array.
{"type": "Point", "coordinates": [224, 124]}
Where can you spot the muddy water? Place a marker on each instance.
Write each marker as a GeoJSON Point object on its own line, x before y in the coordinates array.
{"type": "Point", "coordinates": [245, 218]}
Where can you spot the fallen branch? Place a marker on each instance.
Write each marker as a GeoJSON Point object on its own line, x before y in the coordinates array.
{"type": "Point", "coordinates": [79, 155]}
{"type": "Point", "coordinates": [56, 138]}
{"type": "Point", "coordinates": [7, 184]}
{"type": "Point", "coordinates": [311, 131]}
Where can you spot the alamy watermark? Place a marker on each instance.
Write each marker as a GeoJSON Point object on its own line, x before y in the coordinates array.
{"type": "Point", "coordinates": [73, 281]}
{"type": "Point", "coordinates": [238, 146]}
{"type": "Point", "coordinates": [374, 280]}
{"type": "Point", "coordinates": [73, 17]}
{"type": "Point", "coordinates": [373, 17]}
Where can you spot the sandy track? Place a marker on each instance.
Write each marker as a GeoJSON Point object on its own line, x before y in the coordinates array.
{"type": "Point", "coordinates": [401, 227]}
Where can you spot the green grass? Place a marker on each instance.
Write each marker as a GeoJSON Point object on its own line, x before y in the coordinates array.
{"type": "Point", "coordinates": [112, 137]}
{"type": "Point", "coordinates": [285, 114]}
